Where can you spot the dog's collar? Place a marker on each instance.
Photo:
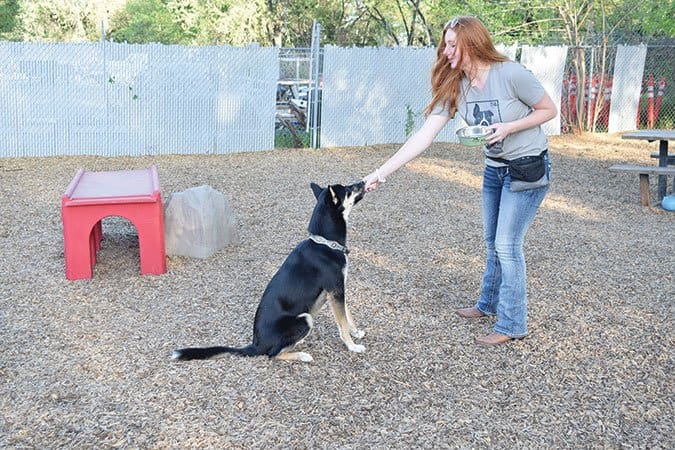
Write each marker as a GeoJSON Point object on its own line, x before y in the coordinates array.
{"type": "Point", "coordinates": [332, 244]}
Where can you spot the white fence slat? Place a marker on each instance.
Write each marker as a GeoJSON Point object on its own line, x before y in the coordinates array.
{"type": "Point", "coordinates": [119, 99]}
{"type": "Point", "coordinates": [626, 87]}
{"type": "Point", "coordinates": [368, 93]}
{"type": "Point", "coordinates": [507, 50]}
{"type": "Point", "coordinates": [548, 65]}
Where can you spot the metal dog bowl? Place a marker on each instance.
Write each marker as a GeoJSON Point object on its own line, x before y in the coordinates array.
{"type": "Point", "coordinates": [473, 136]}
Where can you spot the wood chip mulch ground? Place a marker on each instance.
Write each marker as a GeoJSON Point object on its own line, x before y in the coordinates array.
{"type": "Point", "coordinates": [86, 364]}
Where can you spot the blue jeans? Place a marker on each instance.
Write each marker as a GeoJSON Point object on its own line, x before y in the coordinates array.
{"type": "Point", "coordinates": [506, 217]}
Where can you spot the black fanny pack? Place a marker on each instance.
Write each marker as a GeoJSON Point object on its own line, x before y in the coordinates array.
{"type": "Point", "coordinates": [527, 172]}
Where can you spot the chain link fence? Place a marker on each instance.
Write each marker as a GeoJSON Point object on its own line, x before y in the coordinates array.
{"type": "Point", "coordinates": [117, 98]}
{"type": "Point", "coordinates": [293, 95]}
{"type": "Point", "coordinates": [658, 89]}
{"type": "Point", "coordinates": [612, 89]}
{"type": "Point", "coordinates": [123, 99]}
{"type": "Point", "coordinates": [298, 111]}
{"type": "Point", "coordinates": [588, 89]}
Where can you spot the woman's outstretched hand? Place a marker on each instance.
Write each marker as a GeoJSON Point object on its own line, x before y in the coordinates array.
{"type": "Point", "coordinates": [372, 181]}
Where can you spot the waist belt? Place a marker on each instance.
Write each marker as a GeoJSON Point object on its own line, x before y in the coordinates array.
{"type": "Point", "coordinates": [506, 161]}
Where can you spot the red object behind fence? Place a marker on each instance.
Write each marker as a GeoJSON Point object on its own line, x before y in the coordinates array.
{"type": "Point", "coordinates": [564, 105]}
{"type": "Point", "coordinates": [659, 98]}
{"type": "Point", "coordinates": [603, 117]}
{"type": "Point", "coordinates": [595, 82]}
{"type": "Point", "coordinates": [569, 100]}
{"type": "Point", "coordinates": [572, 102]}
{"type": "Point", "coordinates": [653, 104]}
{"type": "Point", "coordinates": [650, 101]}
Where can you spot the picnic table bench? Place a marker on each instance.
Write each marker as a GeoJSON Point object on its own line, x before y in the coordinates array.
{"type": "Point", "coordinates": [663, 136]}
{"type": "Point", "coordinates": [670, 160]}
{"type": "Point", "coordinates": [643, 172]}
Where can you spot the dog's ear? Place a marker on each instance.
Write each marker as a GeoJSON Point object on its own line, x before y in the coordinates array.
{"type": "Point", "coordinates": [316, 189]}
{"type": "Point", "coordinates": [334, 196]}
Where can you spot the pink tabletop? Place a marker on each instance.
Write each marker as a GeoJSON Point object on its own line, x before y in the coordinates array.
{"type": "Point", "coordinates": [118, 184]}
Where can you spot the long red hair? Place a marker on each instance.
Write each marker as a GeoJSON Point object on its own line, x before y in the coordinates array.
{"type": "Point", "coordinates": [473, 39]}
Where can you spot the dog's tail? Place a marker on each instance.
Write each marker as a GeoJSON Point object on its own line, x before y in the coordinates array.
{"type": "Point", "coordinates": [185, 354]}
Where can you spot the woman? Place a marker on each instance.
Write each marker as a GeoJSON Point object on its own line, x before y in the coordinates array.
{"type": "Point", "coordinates": [471, 78]}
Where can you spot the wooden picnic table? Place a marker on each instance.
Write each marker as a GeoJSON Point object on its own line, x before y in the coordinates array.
{"type": "Point", "coordinates": [663, 136]}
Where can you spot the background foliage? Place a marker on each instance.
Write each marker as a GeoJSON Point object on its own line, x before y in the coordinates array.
{"type": "Point", "coordinates": [288, 23]}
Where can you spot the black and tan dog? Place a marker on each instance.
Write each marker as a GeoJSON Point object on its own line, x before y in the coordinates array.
{"type": "Point", "coordinates": [313, 273]}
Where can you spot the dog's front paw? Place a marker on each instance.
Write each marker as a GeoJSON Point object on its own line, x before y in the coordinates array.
{"type": "Point", "coordinates": [358, 334]}
{"type": "Point", "coordinates": [356, 348]}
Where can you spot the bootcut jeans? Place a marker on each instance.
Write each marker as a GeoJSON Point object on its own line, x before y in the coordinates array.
{"type": "Point", "coordinates": [506, 217]}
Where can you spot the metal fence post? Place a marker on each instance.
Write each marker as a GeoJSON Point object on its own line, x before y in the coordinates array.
{"type": "Point", "coordinates": [104, 84]}
{"type": "Point", "coordinates": [313, 102]}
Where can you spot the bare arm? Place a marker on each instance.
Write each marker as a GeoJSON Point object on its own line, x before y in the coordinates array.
{"type": "Point", "coordinates": [415, 145]}
{"type": "Point", "coordinates": [543, 111]}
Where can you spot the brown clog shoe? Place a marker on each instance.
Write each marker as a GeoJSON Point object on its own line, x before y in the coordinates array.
{"type": "Point", "coordinates": [469, 313]}
{"type": "Point", "coordinates": [494, 338]}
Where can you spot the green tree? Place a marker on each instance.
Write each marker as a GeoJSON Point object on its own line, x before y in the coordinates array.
{"type": "Point", "coordinates": [644, 21]}
{"type": "Point", "coordinates": [239, 23]}
{"type": "Point", "coordinates": [143, 21]}
{"type": "Point", "coordinates": [56, 20]}
{"type": "Point", "coordinates": [9, 19]}
{"type": "Point", "coordinates": [345, 22]}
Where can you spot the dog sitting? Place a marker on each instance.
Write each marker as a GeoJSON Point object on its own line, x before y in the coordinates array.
{"type": "Point", "coordinates": [313, 273]}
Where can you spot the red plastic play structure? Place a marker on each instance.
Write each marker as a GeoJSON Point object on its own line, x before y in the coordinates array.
{"type": "Point", "coordinates": [92, 196]}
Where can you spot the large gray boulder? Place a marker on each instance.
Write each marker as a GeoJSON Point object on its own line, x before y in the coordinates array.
{"type": "Point", "coordinates": [198, 222]}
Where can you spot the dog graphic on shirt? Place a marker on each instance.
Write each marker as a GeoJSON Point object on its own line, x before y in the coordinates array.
{"type": "Point", "coordinates": [485, 117]}
{"type": "Point", "coordinates": [482, 118]}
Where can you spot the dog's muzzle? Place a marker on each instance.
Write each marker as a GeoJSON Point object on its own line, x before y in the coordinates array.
{"type": "Point", "coordinates": [359, 189]}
